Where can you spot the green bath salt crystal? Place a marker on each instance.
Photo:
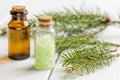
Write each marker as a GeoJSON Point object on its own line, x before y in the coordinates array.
{"type": "Point", "coordinates": [44, 52]}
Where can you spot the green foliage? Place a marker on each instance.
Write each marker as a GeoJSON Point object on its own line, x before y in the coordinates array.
{"type": "Point", "coordinates": [73, 23]}
{"type": "Point", "coordinates": [83, 56]}
{"type": "Point", "coordinates": [80, 54]}
{"type": "Point", "coordinates": [77, 23]}
{"type": "Point", "coordinates": [3, 31]}
{"type": "Point", "coordinates": [66, 43]}
{"type": "Point", "coordinates": [33, 25]}
{"type": "Point", "coordinates": [89, 64]}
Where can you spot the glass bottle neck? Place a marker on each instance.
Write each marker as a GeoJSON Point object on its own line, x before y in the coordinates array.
{"type": "Point", "coordinates": [19, 17]}
{"type": "Point", "coordinates": [45, 28]}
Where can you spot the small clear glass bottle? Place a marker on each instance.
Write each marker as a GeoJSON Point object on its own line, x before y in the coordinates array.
{"type": "Point", "coordinates": [44, 44]}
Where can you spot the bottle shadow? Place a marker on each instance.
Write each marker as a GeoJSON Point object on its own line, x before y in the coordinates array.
{"type": "Point", "coordinates": [31, 68]}
{"type": "Point", "coordinates": [5, 59]}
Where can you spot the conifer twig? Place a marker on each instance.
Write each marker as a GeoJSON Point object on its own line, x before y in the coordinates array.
{"type": "Point", "coordinates": [73, 59]}
{"type": "Point", "coordinates": [96, 53]}
{"type": "Point", "coordinates": [106, 58]}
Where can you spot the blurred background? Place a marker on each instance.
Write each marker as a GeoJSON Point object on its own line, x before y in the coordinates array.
{"type": "Point", "coordinates": [111, 7]}
{"type": "Point", "coordinates": [35, 7]}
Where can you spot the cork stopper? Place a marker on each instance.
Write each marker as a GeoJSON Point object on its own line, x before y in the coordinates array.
{"type": "Point", "coordinates": [18, 8]}
{"type": "Point", "coordinates": [45, 21]}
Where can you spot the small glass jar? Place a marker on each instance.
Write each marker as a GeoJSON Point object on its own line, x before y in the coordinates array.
{"type": "Point", "coordinates": [44, 44]}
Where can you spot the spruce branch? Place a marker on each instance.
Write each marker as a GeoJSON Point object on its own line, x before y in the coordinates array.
{"type": "Point", "coordinates": [83, 56]}
{"type": "Point", "coordinates": [72, 43]}
{"type": "Point", "coordinates": [91, 65]}
{"type": "Point", "coordinates": [77, 23]}
{"type": "Point", "coordinates": [75, 55]}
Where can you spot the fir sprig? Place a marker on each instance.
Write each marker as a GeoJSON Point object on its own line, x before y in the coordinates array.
{"type": "Point", "coordinates": [88, 65]}
{"type": "Point", "coordinates": [86, 54]}
{"type": "Point", "coordinates": [74, 17]}
{"type": "Point", "coordinates": [77, 23]}
{"type": "Point", "coordinates": [66, 43]}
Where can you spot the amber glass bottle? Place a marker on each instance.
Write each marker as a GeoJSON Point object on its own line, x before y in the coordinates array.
{"type": "Point", "coordinates": [18, 34]}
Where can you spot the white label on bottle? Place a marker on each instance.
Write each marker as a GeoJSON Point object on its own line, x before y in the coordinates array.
{"type": "Point", "coordinates": [26, 23]}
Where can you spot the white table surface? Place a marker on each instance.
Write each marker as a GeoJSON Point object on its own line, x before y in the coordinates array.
{"type": "Point", "coordinates": [24, 70]}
